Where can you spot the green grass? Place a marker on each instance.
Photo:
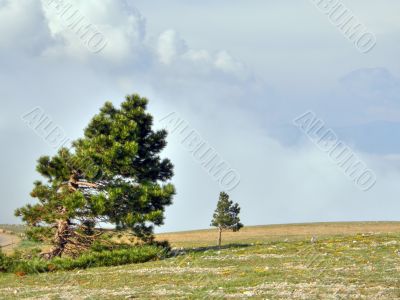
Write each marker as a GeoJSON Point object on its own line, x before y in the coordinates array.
{"type": "Point", "coordinates": [351, 266]}
{"type": "Point", "coordinates": [126, 255]}
{"type": "Point", "coordinates": [28, 244]}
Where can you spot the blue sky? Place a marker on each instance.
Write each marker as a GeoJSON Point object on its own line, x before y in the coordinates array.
{"type": "Point", "coordinates": [238, 72]}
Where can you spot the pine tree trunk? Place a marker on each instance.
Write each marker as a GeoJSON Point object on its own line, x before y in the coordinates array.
{"type": "Point", "coordinates": [60, 240]}
{"type": "Point", "coordinates": [219, 236]}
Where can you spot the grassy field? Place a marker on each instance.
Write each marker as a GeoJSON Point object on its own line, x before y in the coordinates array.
{"type": "Point", "coordinates": [347, 261]}
{"type": "Point", "coordinates": [15, 229]}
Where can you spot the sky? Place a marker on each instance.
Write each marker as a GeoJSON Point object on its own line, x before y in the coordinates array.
{"type": "Point", "coordinates": [238, 73]}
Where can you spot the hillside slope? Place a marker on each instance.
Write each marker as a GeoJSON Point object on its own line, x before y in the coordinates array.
{"type": "Point", "coordinates": [362, 261]}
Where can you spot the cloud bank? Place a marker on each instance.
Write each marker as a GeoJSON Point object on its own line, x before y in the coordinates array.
{"type": "Point", "coordinates": [241, 108]}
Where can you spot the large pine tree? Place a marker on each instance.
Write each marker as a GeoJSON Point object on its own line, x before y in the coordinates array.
{"type": "Point", "coordinates": [114, 174]}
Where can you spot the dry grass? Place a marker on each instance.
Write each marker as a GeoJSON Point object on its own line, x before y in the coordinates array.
{"type": "Point", "coordinates": [8, 241]}
{"type": "Point", "coordinates": [277, 232]}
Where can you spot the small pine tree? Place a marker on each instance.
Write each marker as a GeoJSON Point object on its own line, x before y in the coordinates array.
{"type": "Point", "coordinates": [226, 216]}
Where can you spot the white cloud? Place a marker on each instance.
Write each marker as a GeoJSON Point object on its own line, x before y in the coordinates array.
{"type": "Point", "coordinates": [120, 23]}
{"type": "Point", "coordinates": [225, 62]}
{"type": "Point", "coordinates": [169, 46]}
{"type": "Point", "coordinates": [201, 56]}
{"type": "Point", "coordinates": [22, 27]}
{"type": "Point", "coordinates": [128, 45]}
